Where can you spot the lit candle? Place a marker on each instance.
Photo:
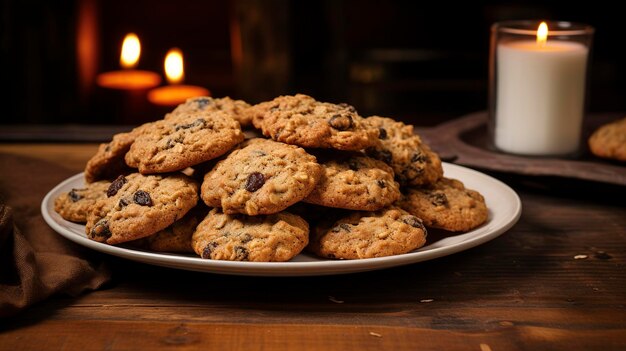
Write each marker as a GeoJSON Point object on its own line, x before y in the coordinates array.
{"type": "Point", "coordinates": [540, 95]}
{"type": "Point", "coordinates": [175, 93]}
{"type": "Point", "coordinates": [129, 78]}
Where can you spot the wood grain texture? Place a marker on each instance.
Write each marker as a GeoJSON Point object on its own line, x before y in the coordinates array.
{"type": "Point", "coordinates": [524, 290]}
{"type": "Point", "coordinates": [122, 335]}
{"type": "Point", "coordinates": [72, 156]}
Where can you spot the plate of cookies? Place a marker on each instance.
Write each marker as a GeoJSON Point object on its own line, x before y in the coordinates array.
{"type": "Point", "coordinates": [287, 187]}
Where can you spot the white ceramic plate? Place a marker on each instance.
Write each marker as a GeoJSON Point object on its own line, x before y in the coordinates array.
{"type": "Point", "coordinates": [504, 210]}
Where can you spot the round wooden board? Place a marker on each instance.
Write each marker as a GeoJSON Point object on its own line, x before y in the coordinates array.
{"type": "Point", "coordinates": [465, 141]}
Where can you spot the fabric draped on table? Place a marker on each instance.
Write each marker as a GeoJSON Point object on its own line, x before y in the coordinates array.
{"type": "Point", "coordinates": [35, 261]}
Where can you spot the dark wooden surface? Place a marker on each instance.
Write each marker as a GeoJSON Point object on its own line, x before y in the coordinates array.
{"type": "Point", "coordinates": [525, 290]}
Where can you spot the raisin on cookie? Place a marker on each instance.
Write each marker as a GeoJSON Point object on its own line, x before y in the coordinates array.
{"type": "Point", "coordinates": [270, 238]}
{"type": "Point", "coordinates": [387, 232]}
{"type": "Point", "coordinates": [189, 139]}
{"type": "Point", "coordinates": [76, 204]}
{"type": "Point", "coordinates": [303, 121]}
{"type": "Point", "coordinates": [237, 109]}
{"type": "Point", "coordinates": [447, 205]}
{"type": "Point", "coordinates": [139, 205]}
{"type": "Point", "coordinates": [413, 162]}
{"type": "Point", "coordinates": [355, 182]}
{"type": "Point", "coordinates": [261, 177]}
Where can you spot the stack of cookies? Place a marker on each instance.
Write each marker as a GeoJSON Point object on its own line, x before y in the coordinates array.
{"type": "Point", "coordinates": [306, 175]}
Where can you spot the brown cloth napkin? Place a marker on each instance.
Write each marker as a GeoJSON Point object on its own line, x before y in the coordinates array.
{"type": "Point", "coordinates": [35, 261]}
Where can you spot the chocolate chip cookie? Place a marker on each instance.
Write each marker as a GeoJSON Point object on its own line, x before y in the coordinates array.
{"type": "Point", "coordinates": [609, 141]}
{"type": "Point", "coordinates": [185, 140]}
{"type": "Point", "coordinates": [447, 204]}
{"type": "Point", "coordinates": [261, 177]}
{"type": "Point", "coordinates": [413, 162]}
{"type": "Point", "coordinates": [301, 120]}
{"type": "Point", "coordinates": [235, 108]}
{"type": "Point", "coordinates": [139, 205]}
{"type": "Point", "coordinates": [387, 232]}
{"type": "Point", "coordinates": [77, 203]}
{"type": "Point", "coordinates": [271, 238]}
{"type": "Point", "coordinates": [355, 183]}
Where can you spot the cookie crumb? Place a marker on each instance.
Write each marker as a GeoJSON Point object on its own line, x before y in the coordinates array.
{"type": "Point", "coordinates": [376, 335]}
{"type": "Point", "coordinates": [333, 299]}
{"type": "Point", "coordinates": [426, 300]}
{"type": "Point", "coordinates": [602, 255]}
{"type": "Point", "coordinates": [580, 257]}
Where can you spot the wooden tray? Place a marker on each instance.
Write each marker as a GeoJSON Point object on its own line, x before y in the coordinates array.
{"type": "Point", "coordinates": [464, 141]}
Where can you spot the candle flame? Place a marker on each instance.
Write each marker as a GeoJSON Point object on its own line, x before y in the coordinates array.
{"type": "Point", "coordinates": [131, 49]}
{"type": "Point", "coordinates": [542, 34]}
{"type": "Point", "coordinates": [174, 70]}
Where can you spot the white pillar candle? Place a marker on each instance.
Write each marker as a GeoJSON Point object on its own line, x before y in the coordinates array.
{"type": "Point", "coordinates": [540, 97]}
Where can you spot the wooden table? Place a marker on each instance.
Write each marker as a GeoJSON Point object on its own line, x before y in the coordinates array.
{"type": "Point", "coordinates": [556, 281]}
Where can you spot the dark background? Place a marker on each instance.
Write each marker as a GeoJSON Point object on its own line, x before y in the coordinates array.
{"type": "Point", "coordinates": [421, 62]}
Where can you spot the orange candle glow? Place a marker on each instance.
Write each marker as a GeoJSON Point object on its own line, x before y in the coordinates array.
{"type": "Point", "coordinates": [129, 78]}
{"type": "Point", "coordinates": [175, 93]}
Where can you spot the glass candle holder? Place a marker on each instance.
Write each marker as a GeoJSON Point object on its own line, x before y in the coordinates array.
{"type": "Point", "coordinates": [537, 86]}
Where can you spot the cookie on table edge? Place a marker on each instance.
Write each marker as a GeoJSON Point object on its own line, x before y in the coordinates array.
{"type": "Point", "coordinates": [609, 141]}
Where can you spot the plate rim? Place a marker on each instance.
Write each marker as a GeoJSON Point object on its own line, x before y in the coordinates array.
{"type": "Point", "coordinates": [290, 268]}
